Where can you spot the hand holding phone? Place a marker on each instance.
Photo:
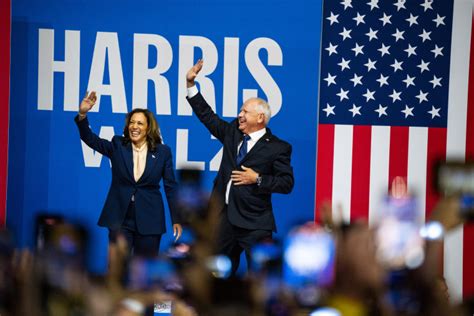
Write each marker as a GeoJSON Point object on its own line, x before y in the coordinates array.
{"type": "Point", "coordinates": [153, 273]}
{"type": "Point", "coordinates": [399, 243]}
{"type": "Point", "coordinates": [309, 257]}
{"type": "Point", "coordinates": [456, 179]}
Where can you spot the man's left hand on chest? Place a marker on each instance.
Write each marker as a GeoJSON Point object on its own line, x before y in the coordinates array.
{"type": "Point", "coordinates": [245, 177]}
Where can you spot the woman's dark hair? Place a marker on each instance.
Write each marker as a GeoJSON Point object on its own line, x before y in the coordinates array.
{"type": "Point", "coordinates": [153, 135]}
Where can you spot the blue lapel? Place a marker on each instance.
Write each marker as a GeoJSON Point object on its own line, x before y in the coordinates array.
{"type": "Point", "coordinates": [151, 161]}
{"type": "Point", "coordinates": [235, 146]}
{"type": "Point", "coordinates": [128, 159]}
{"type": "Point", "coordinates": [152, 158]}
{"type": "Point", "coordinates": [260, 144]}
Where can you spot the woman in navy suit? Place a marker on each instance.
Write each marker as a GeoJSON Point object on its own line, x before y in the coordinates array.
{"type": "Point", "coordinates": [134, 205]}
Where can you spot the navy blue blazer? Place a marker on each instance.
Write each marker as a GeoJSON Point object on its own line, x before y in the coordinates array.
{"type": "Point", "coordinates": [250, 206]}
{"type": "Point", "coordinates": [150, 217]}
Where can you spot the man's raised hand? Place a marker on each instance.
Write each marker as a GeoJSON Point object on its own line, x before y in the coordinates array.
{"type": "Point", "coordinates": [193, 72]}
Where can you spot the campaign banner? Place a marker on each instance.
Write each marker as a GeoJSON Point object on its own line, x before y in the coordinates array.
{"type": "Point", "coordinates": [136, 55]}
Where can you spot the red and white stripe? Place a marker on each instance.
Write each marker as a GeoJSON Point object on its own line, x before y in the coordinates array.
{"type": "Point", "coordinates": [5, 30]}
{"type": "Point", "coordinates": [356, 164]}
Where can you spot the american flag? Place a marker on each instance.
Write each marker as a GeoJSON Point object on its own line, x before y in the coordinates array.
{"type": "Point", "coordinates": [394, 81]}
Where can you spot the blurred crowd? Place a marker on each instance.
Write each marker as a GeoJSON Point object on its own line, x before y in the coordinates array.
{"type": "Point", "coordinates": [325, 268]}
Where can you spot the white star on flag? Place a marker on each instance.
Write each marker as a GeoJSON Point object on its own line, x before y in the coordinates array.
{"type": "Point", "coordinates": [356, 80]}
{"type": "Point", "coordinates": [355, 110]}
{"type": "Point", "coordinates": [439, 20]}
{"type": "Point", "coordinates": [370, 64]}
{"type": "Point", "coordinates": [434, 112]}
{"type": "Point", "coordinates": [386, 19]}
{"type": "Point", "coordinates": [344, 64]}
{"type": "Point", "coordinates": [408, 111]}
{"type": "Point", "coordinates": [347, 4]}
{"type": "Point", "coordinates": [384, 50]}
{"type": "Point", "coordinates": [437, 51]}
{"type": "Point", "coordinates": [427, 5]}
{"type": "Point", "coordinates": [397, 65]}
{"type": "Point", "coordinates": [383, 80]}
{"type": "Point", "coordinates": [359, 19]}
{"type": "Point", "coordinates": [329, 109]}
{"type": "Point", "coordinates": [425, 36]}
{"type": "Point", "coordinates": [423, 66]}
{"type": "Point", "coordinates": [358, 49]}
{"type": "Point", "coordinates": [398, 35]}
{"type": "Point", "coordinates": [395, 96]}
{"type": "Point", "coordinates": [410, 50]}
{"type": "Point", "coordinates": [436, 81]}
{"type": "Point", "coordinates": [382, 110]}
{"type": "Point", "coordinates": [369, 95]}
{"type": "Point", "coordinates": [409, 81]}
{"type": "Point", "coordinates": [333, 18]}
{"type": "Point", "coordinates": [330, 79]}
{"type": "Point", "coordinates": [372, 34]}
{"type": "Point", "coordinates": [412, 19]}
{"type": "Point", "coordinates": [400, 4]}
{"type": "Point", "coordinates": [331, 49]}
{"type": "Point", "coordinates": [373, 4]}
{"type": "Point", "coordinates": [345, 34]}
{"type": "Point", "coordinates": [422, 96]}
{"type": "Point", "coordinates": [343, 94]}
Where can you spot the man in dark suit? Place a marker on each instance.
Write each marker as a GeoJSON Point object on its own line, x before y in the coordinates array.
{"type": "Point", "coordinates": [254, 165]}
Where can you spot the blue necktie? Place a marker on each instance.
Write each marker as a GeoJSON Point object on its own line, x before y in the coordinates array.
{"type": "Point", "coordinates": [243, 149]}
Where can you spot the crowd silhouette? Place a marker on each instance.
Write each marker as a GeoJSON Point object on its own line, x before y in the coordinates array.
{"type": "Point", "coordinates": [325, 268]}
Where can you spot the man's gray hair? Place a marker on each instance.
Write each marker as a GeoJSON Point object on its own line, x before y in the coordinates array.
{"type": "Point", "coordinates": [264, 107]}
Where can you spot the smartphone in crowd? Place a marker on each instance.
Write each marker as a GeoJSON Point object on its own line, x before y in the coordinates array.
{"type": "Point", "coordinates": [45, 225]}
{"type": "Point", "coordinates": [58, 237]}
{"type": "Point", "coordinates": [266, 258]}
{"type": "Point", "coordinates": [153, 273]}
{"type": "Point", "coordinates": [192, 199]}
{"type": "Point", "coordinates": [309, 257]}
{"type": "Point", "coordinates": [457, 178]}
{"type": "Point", "coordinates": [158, 273]}
{"type": "Point", "coordinates": [61, 248]}
{"type": "Point", "coordinates": [397, 233]}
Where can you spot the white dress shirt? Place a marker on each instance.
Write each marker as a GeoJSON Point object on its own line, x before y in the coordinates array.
{"type": "Point", "coordinates": [254, 137]}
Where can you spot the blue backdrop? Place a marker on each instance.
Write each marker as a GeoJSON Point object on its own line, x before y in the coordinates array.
{"type": "Point", "coordinates": [135, 55]}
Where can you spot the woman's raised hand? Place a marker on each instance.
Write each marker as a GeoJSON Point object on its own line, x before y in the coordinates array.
{"type": "Point", "coordinates": [87, 102]}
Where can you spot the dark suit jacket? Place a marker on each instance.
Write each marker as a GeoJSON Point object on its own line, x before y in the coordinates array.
{"type": "Point", "coordinates": [150, 217]}
{"type": "Point", "coordinates": [250, 206]}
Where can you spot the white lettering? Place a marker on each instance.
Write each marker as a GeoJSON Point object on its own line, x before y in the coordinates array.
{"type": "Point", "coordinates": [231, 77]}
{"type": "Point", "coordinates": [106, 45]}
{"type": "Point", "coordinates": [141, 72]}
{"type": "Point", "coordinates": [215, 162]}
{"type": "Point", "coordinates": [187, 44]}
{"type": "Point", "coordinates": [261, 74]}
{"type": "Point", "coordinates": [182, 161]}
{"type": "Point", "coordinates": [47, 66]}
{"type": "Point", "coordinates": [106, 56]}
